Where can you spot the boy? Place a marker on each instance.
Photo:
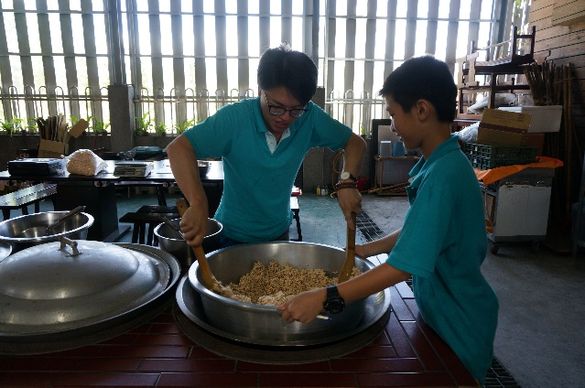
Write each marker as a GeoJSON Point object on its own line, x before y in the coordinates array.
{"type": "Point", "coordinates": [442, 242]}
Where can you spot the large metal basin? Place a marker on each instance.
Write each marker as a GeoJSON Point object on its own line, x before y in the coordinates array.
{"type": "Point", "coordinates": [168, 241]}
{"type": "Point", "coordinates": [262, 324]}
{"type": "Point", "coordinates": [13, 230]}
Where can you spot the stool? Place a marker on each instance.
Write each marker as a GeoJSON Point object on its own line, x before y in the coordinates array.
{"type": "Point", "coordinates": [145, 219]}
{"type": "Point", "coordinates": [295, 208]}
{"type": "Point", "coordinates": [20, 199]}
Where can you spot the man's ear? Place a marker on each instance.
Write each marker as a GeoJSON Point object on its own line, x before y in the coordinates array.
{"type": "Point", "coordinates": [423, 109]}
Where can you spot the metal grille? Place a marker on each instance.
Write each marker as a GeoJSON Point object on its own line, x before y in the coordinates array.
{"type": "Point", "coordinates": [185, 59]}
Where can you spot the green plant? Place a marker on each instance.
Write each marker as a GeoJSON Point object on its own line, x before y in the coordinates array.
{"type": "Point", "coordinates": [99, 127]}
{"type": "Point", "coordinates": [160, 129]}
{"type": "Point", "coordinates": [143, 124]}
{"type": "Point", "coordinates": [12, 126]}
{"type": "Point", "coordinates": [31, 126]}
{"type": "Point", "coordinates": [183, 126]}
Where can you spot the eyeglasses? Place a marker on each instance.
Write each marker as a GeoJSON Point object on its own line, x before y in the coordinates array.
{"type": "Point", "coordinates": [276, 110]}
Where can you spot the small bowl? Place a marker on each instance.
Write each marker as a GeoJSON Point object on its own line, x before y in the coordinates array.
{"type": "Point", "coordinates": [13, 230]}
{"type": "Point", "coordinates": [168, 241]}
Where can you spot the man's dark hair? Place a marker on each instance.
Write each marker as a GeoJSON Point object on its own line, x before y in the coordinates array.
{"type": "Point", "coordinates": [294, 70]}
{"type": "Point", "coordinates": [423, 78]}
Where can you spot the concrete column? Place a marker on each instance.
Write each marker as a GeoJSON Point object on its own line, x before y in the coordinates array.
{"type": "Point", "coordinates": [121, 116]}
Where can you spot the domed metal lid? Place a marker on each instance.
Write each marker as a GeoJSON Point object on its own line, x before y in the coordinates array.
{"type": "Point", "coordinates": [55, 287]}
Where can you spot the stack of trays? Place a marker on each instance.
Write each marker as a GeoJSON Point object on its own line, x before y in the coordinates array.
{"type": "Point", "coordinates": [132, 169]}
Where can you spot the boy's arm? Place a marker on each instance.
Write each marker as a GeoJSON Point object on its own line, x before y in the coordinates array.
{"type": "Point", "coordinates": [383, 245]}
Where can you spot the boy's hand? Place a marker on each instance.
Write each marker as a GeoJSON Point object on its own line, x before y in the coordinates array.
{"type": "Point", "coordinates": [304, 307]}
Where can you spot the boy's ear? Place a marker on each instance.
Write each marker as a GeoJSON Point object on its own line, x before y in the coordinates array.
{"type": "Point", "coordinates": [423, 109]}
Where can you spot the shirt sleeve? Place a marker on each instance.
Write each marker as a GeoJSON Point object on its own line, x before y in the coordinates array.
{"type": "Point", "coordinates": [328, 132]}
{"type": "Point", "coordinates": [424, 234]}
{"type": "Point", "coordinates": [213, 137]}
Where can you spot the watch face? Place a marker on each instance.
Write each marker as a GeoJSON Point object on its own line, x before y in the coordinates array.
{"type": "Point", "coordinates": [335, 305]}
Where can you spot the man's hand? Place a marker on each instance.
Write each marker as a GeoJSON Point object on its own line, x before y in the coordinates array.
{"type": "Point", "coordinates": [350, 201]}
{"type": "Point", "coordinates": [194, 226]}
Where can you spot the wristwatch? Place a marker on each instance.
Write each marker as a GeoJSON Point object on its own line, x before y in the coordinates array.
{"type": "Point", "coordinates": [346, 175]}
{"type": "Point", "coordinates": [334, 303]}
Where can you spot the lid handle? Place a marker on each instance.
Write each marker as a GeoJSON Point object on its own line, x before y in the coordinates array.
{"type": "Point", "coordinates": [72, 244]}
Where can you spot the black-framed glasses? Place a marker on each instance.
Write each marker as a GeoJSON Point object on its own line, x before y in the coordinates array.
{"type": "Point", "coordinates": [276, 110]}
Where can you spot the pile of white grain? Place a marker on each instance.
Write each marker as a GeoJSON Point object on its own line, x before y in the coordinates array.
{"type": "Point", "coordinates": [274, 283]}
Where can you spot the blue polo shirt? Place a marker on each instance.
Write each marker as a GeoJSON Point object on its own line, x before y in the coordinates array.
{"type": "Point", "coordinates": [255, 205]}
{"type": "Point", "coordinates": [442, 244]}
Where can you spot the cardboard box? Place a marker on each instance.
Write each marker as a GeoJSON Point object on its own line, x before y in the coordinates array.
{"type": "Point", "coordinates": [55, 149]}
{"type": "Point", "coordinates": [501, 127]}
{"type": "Point", "coordinates": [544, 118]}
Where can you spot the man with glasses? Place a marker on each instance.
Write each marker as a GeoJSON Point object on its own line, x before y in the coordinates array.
{"type": "Point", "coordinates": [262, 142]}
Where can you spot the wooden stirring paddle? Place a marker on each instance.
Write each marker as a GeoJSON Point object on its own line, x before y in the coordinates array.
{"type": "Point", "coordinates": [349, 262]}
{"type": "Point", "coordinates": [207, 277]}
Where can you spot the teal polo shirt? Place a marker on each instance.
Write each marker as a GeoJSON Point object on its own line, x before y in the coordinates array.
{"type": "Point", "coordinates": [255, 204]}
{"type": "Point", "coordinates": [443, 244]}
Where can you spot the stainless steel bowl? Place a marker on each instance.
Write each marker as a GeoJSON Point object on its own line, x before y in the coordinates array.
{"type": "Point", "coordinates": [14, 230]}
{"type": "Point", "coordinates": [168, 241]}
{"type": "Point", "coordinates": [262, 324]}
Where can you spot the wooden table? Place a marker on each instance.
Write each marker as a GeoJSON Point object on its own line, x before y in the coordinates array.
{"type": "Point", "coordinates": [406, 353]}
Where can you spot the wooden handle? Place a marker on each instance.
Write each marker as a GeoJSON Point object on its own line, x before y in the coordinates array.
{"type": "Point", "coordinates": [349, 262]}
{"type": "Point", "coordinates": [207, 277]}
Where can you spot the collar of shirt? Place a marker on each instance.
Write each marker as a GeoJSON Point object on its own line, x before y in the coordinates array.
{"type": "Point", "coordinates": [444, 148]}
{"type": "Point", "coordinates": [271, 139]}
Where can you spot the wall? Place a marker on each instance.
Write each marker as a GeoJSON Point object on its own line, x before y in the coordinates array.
{"type": "Point", "coordinates": [563, 45]}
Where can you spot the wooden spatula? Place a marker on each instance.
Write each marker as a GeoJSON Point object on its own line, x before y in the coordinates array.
{"type": "Point", "coordinates": [349, 262]}
{"type": "Point", "coordinates": [207, 277]}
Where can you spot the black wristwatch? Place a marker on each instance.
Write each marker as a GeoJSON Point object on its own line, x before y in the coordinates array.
{"type": "Point", "coordinates": [334, 303]}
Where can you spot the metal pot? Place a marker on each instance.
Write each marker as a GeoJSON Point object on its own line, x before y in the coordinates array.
{"type": "Point", "coordinates": [61, 289]}
{"type": "Point", "coordinates": [14, 230]}
{"type": "Point", "coordinates": [169, 242]}
{"type": "Point", "coordinates": [262, 324]}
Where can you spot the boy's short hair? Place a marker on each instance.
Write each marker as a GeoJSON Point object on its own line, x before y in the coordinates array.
{"type": "Point", "coordinates": [294, 70]}
{"type": "Point", "coordinates": [423, 78]}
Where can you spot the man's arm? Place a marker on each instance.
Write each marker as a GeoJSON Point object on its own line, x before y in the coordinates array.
{"type": "Point", "coordinates": [184, 166]}
{"type": "Point", "coordinates": [350, 199]}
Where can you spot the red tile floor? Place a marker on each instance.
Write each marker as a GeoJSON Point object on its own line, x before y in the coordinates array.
{"type": "Point", "coordinates": [157, 354]}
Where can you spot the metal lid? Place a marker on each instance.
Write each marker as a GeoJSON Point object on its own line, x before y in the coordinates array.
{"type": "Point", "coordinates": [52, 287]}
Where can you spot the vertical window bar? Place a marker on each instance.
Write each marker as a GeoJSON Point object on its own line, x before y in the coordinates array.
{"type": "Point", "coordinates": [221, 51]}
{"type": "Point", "coordinates": [474, 16]}
{"type": "Point", "coordinates": [92, 66]}
{"type": "Point", "coordinates": [264, 25]}
{"type": "Point", "coordinates": [5, 71]}
{"type": "Point", "coordinates": [134, 53]}
{"type": "Point", "coordinates": [69, 57]}
{"type": "Point", "coordinates": [200, 69]}
{"type": "Point", "coordinates": [286, 29]}
{"type": "Point", "coordinates": [330, 46]}
{"type": "Point", "coordinates": [25, 58]}
{"type": "Point", "coordinates": [431, 44]}
{"type": "Point", "coordinates": [452, 34]}
{"type": "Point", "coordinates": [158, 91]}
{"type": "Point", "coordinates": [390, 36]}
{"type": "Point", "coordinates": [350, 32]}
{"type": "Point", "coordinates": [178, 62]}
{"type": "Point", "coordinates": [115, 42]}
{"type": "Point", "coordinates": [369, 63]}
{"type": "Point", "coordinates": [47, 51]}
{"type": "Point", "coordinates": [243, 62]}
{"type": "Point", "coordinates": [411, 14]}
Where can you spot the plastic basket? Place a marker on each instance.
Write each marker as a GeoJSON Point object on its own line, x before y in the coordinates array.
{"type": "Point", "coordinates": [486, 156]}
